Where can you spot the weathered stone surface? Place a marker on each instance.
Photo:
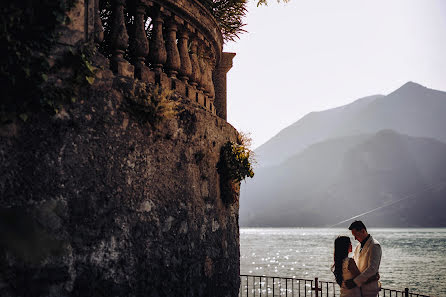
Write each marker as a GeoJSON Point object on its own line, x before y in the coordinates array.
{"type": "Point", "coordinates": [123, 68]}
{"type": "Point", "coordinates": [96, 202]}
{"type": "Point", "coordinates": [76, 30]}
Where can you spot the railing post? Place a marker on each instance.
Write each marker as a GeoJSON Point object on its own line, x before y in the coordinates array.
{"type": "Point", "coordinates": [316, 287]}
{"type": "Point", "coordinates": [406, 292]}
{"type": "Point", "coordinates": [220, 81]}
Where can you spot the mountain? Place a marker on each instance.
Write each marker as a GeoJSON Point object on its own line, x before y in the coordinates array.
{"type": "Point", "coordinates": [339, 178]}
{"type": "Point", "coordinates": [412, 110]}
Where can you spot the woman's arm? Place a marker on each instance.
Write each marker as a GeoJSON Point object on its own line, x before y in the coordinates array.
{"type": "Point", "coordinates": [353, 268]}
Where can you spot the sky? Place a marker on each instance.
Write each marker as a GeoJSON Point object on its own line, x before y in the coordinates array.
{"type": "Point", "coordinates": [312, 55]}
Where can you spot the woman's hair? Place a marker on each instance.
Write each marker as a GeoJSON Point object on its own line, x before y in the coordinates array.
{"type": "Point", "coordinates": [341, 246]}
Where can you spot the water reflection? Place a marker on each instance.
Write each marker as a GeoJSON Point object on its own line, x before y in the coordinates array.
{"type": "Point", "coordinates": [413, 258]}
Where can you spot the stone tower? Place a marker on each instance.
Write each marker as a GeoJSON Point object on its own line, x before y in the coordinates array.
{"type": "Point", "coordinates": [99, 199]}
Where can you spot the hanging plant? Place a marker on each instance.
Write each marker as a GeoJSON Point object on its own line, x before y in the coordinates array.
{"type": "Point", "coordinates": [235, 165]}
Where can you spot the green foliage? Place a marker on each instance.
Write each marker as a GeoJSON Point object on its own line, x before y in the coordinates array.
{"type": "Point", "coordinates": [27, 32]}
{"type": "Point", "coordinates": [235, 162]}
{"type": "Point", "coordinates": [229, 15]}
{"type": "Point", "coordinates": [151, 104]}
{"type": "Point", "coordinates": [235, 165]}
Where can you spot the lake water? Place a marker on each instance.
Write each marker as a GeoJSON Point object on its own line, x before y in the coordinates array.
{"type": "Point", "coordinates": [412, 258]}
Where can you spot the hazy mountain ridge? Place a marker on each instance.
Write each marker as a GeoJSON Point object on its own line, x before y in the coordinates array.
{"type": "Point", "coordinates": [412, 109]}
{"type": "Point", "coordinates": [342, 176]}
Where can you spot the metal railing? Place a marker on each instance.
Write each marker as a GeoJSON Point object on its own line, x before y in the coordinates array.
{"type": "Point", "coordinates": [258, 286]}
{"type": "Point", "coordinates": [396, 293]}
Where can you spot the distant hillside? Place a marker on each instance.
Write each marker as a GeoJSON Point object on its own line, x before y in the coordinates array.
{"type": "Point", "coordinates": [342, 177]}
{"type": "Point", "coordinates": [413, 110]}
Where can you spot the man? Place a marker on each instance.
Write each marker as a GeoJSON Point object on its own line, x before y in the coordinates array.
{"type": "Point", "coordinates": [367, 257]}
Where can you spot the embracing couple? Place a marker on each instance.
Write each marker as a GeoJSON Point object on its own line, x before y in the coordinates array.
{"type": "Point", "coordinates": [357, 276]}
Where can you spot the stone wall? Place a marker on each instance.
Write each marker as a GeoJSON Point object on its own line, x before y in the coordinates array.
{"type": "Point", "coordinates": [95, 202]}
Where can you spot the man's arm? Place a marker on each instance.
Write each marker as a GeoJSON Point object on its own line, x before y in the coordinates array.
{"type": "Point", "coordinates": [372, 269]}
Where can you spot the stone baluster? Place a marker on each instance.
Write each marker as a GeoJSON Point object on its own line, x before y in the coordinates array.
{"type": "Point", "coordinates": [140, 44]}
{"type": "Point", "coordinates": [209, 86]}
{"type": "Point", "coordinates": [186, 64]}
{"type": "Point", "coordinates": [196, 74]}
{"type": "Point", "coordinates": [119, 40]}
{"type": "Point", "coordinates": [98, 28]}
{"type": "Point", "coordinates": [202, 65]}
{"type": "Point", "coordinates": [157, 50]}
{"type": "Point", "coordinates": [173, 63]}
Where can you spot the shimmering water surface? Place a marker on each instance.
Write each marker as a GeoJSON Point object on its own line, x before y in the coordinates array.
{"type": "Point", "coordinates": [412, 258]}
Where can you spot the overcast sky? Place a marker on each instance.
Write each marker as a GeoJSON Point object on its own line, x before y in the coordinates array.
{"type": "Point", "coordinates": [311, 55]}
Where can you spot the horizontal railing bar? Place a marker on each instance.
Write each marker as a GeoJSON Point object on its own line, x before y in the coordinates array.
{"type": "Point", "coordinates": [287, 278]}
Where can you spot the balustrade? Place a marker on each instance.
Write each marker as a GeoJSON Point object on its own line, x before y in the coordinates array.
{"type": "Point", "coordinates": [183, 52]}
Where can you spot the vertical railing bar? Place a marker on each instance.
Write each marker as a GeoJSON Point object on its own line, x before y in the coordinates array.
{"type": "Point", "coordinates": [267, 293]}
{"type": "Point", "coordinates": [292, 287]}
{"type": "Point", "coordinates": [273, 285]}
{"type": "Point", "coordinates": [299, 288]}
{"type": "Point", "coordinates": [254, 285]}
{"type": "Point", "coordinates": [260, 286]}
{"type": "Point", "coordinates": [286, 287]}
{"type": "Point", "coordinates": [280, 286]}
{"type": "Point", "coordinates": [247, 285]}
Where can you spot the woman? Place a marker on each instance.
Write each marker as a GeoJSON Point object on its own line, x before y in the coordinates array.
{"type": "Point", "coordinates": [345, 268]}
